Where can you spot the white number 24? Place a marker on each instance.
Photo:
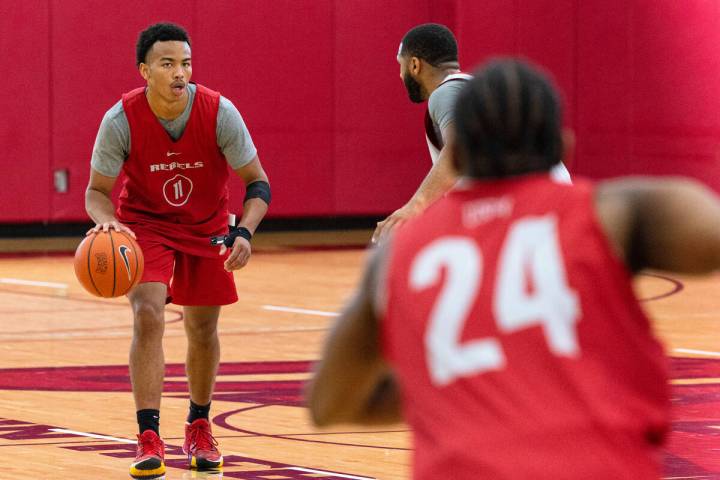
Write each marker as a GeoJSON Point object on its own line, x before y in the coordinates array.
{"type": "Point", "coordinates": [531, 252]}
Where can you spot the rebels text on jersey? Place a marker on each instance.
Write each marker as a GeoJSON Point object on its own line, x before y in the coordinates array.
{"type": "Point", "coordinates": [156, 167]}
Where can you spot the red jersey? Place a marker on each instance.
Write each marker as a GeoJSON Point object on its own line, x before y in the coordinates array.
{"type": "Point", "coordinates": [519, 345]}
{"type": "Point", "coordinates": [178, 189]}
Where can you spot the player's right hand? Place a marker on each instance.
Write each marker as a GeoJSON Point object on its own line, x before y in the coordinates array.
{"type": "Point", "coordinates": [106, 226]}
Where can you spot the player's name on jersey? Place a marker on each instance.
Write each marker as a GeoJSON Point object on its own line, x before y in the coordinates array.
{"type": "Point", "coordinates": [157, 167]}
{"type": "Point", "coordinates": [477, 212]}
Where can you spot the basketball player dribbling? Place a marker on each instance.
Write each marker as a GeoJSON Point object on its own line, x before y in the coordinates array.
{"type": "Point", "coordinates": [501, 323]}
{"type": "Point", "coordinates": [174, 140]}
{"type": "Point", "coordinates": [430, 71]}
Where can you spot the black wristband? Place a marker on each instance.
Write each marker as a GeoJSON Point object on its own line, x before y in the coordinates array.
{"type": "Point", "coordinates": [240, 232]}
{"type": "Point", "coordinates": [259, 189]}
{"type": "Point", "coordinates": [229, 239]}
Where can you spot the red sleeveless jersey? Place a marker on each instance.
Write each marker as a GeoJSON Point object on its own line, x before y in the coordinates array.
{"type": "Point", "coordinates": [520, 347]}
{"type": "Point", "coordinates": [177, 189]}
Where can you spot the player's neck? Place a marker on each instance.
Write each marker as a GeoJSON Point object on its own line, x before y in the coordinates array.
{"type": "Point", "coordinates": [167, 110]}
{"type": "Point", "coordinates": [441, 74]}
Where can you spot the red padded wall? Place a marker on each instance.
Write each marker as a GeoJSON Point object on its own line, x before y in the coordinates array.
{"type": "Point", "coordinates": [676, 71]}
{"type": "Point", "coordinates": [541, 31]}
{"type": "Point", "coordinates": [92, 63]}
{"type": "Point", "coordinates": [604, 66]}
{"type": "Point", "coordinates": [546, 35]}
{"type": "Point", "coordinates": [274, 60]}
{"type": "Point", "coordinates": [317, 83]}
{"type": "Point", "coordinates": [380, 153]}
{"type": "Point", "coordinates": [24, 100]}
{"type": "Point", "coordinates": [646, 92]}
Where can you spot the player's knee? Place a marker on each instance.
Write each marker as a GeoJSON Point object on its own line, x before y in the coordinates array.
{"type": "Point", "coordinates": [201, 329]}
{"type": "Point", "coordinates": [149, 318]}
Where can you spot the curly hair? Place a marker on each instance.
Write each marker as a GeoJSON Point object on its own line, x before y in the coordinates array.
{"type": "Point", "coordinates": [159, 32]}
{"type": "Point", "coordinates": [431, 42]}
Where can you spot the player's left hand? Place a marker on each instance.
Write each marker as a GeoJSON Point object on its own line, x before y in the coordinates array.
{"type": "Point", "coordinates": [239, 256]}
{"type": "Point", "coordinates": [397, 218]}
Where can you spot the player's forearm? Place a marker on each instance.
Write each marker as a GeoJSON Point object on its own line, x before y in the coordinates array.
{"type": "Point", "coordinates": [257, 194]}
{"type": "Point", "coordinates": [330, 398]}
{"type": "Point", "coordinates": [351, 367]}
{"type": "Point", "coordinates": [99, 206]}
{"type": "Point", "coordinates": [254, 211]}
{"type": "Point", "coordinates": [338, 395]}
{"type": "Point", "coordinates": [439, 180]}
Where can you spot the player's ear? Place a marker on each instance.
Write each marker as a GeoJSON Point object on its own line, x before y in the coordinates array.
{"type": "Point", "coordinates": [415, 66]}
{"type": "Point", "coordinates": [143, 68]}
{"type": "Point", "coordinates": [568, 140]}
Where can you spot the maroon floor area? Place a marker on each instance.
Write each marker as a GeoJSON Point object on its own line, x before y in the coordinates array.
{"type": "Point", "coordinates": [693, 448]}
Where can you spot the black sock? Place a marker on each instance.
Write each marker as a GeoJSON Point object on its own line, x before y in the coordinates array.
{"type": "Point", "coordinates": [149, 419]}
{"type": "Point", "coordinates": [198, 411]}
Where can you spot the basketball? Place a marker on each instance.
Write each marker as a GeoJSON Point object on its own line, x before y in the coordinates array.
{"type": "Point", "coordinates": [108, 264]}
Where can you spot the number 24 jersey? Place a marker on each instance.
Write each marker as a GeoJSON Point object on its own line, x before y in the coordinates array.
{"type": "Point", "coordinates": [518, 342]}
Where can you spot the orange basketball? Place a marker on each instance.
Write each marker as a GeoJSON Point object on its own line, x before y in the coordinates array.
{"type": "Point", "coordinates": [108, 264]}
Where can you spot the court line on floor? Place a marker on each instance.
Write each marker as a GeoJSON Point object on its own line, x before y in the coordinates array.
{"type": "Point", "coordinates": [86, 298]}
{"type": "Point", "coordinates": [678, 287]}
{"type": "Point", "coordinates": [134, 442]}
{"type": "Point", "coordinates": [359, 432]}
{"type": "Point", "coordinates": [323, 472]}
{"type": "Point", "coordinates": [84, 442]}
{"type": "Point", "coordinates": [308, 434]}
{"type": "Point", "coordinates": [93, 435]}
{"type": "Point", "coordinates": [33, 283]}
{"type": "Point", "coordinates": [89, 333]}
{"type": "Point", "coordinates": [697, 352]}
{"type": "Point", "coordinates": [305, 311]}
{"type": "Point", "coordinates": [263, 330]}
{"type": "Point", "coordinates": [222, 421]}
{"type": "Point", "coordinates": [49, 309]}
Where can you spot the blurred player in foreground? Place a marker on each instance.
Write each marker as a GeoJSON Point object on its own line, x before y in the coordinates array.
{"type": "Point", "coordinates": [502, 321]}
{"type": "Point", "coordinates": [174, 141]}
{"type": "Point", "coordinates": [430, 71]}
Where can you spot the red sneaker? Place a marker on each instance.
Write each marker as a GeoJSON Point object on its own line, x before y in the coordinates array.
{"type": "Point", "coordinates": [150, 458]}
{"type": "Point", "coordinates": [200, 446]}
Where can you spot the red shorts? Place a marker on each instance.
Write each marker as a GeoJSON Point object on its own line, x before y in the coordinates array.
{"type": "Point", "coordinates": [191, 280]}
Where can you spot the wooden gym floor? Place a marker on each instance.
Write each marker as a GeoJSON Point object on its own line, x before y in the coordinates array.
{"type": "Point", "coordinates": [66, 409]}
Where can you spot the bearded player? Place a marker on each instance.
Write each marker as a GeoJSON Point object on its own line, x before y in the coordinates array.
{"type": "Point", "coordinates": [430, 71]}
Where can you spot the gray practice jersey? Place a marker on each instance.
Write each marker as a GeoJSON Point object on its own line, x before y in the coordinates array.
{"type": "Point", "coordinates": [441, 104]}
{"type": "Point", "coordinates": [440, 108]}
{"type": "Point", "coordinates": [112, 144]}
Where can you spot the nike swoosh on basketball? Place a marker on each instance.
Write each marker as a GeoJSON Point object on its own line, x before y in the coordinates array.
{"type": "Point", "coordinates": [170, 154]}
{"type": "Point", "coordinates": [123, 253]}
